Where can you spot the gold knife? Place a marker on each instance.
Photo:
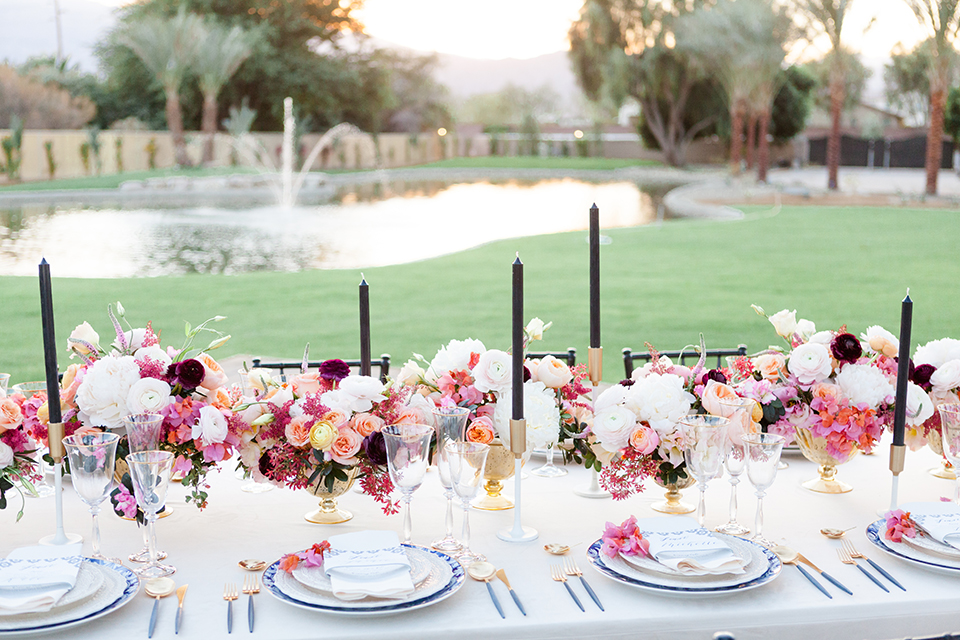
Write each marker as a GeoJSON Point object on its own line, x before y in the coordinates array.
{"type": "Point", "coordinates": [503, 578]}
{"type": "Point", "coordinates": [181, 592]}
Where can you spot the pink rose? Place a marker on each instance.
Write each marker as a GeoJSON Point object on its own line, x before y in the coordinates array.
{"type": "Point", "coordinates": [306, 383]}
{"type": "Point", "coordinates": [298, 431]}
{"type": "Point", "coordinates": [345, 446]}
{"type": "Point", "coordinates": [11, 416]}
{"type": "Point", "coordinates": [409, 415]}
{"type": "Point", "coordinates": [481, 430]}
{"type": "Point", "coordinates": [337, 418]}
{"type": "Point", "coordinates": [716, 393]}
{"type": "Point", "coordinates": [644, 439]}
{"type": "Point", "coordinates": [365, 424]}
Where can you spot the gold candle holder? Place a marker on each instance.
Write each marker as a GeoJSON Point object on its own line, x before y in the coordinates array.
{"type": "Point", "coordinates": [518, 437]}
{"type": "Point", "coordinates": [55, 441]}
{"type": "Point", "coordinates": [595, 362]}
{"type": "Point", "coordinates": [898, 454]}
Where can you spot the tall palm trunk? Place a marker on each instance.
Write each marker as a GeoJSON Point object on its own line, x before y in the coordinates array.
{"type": "Point", "coordinates": [837, 91]}
{"type": "Point", "coordinates": [175, 124]}
{"type": "Point", "coordinates": [209, 126]}
{"type": "Point", "coordinates": [938, 102]}
{"type": "Point", "coordinates": [736, 138]}
{"type": "Point", "coordinates": [751, 138]}
{"type": "Point", "coordinates": [763, 148]}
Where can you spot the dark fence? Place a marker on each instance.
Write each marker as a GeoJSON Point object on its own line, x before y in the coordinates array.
{"type": "Point", "coordinates": [876, 152]}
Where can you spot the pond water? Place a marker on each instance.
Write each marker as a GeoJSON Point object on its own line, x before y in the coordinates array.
{"type": "Point", "coordinates": [356, 227]}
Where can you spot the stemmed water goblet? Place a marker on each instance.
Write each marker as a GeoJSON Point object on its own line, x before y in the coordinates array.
{"type": "Point", "coordinates": [449, 423]}
{"type": "Point", "coordinates": [466, 460]}
{"type": "Point", "coordinates": [143, 434]}
{"type": "Point", "coordinates": [950, 431]}
{"type": "Point", "coordinates": [704, 443]}
{"type": "Point", "coordinates": [92, 460]}
{"type": "Point", "coordinates": [763, 458]}
{"type": "Point", "coordinates": [150, 471]}
{"type": "Point", "coordinates": [550, 470]}
{"type": "Point", "coordinates": [408, 450]}
{"type": "Point", "coordinates": [739, 411]}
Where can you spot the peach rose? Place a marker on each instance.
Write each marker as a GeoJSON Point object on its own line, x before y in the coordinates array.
{"type": "Point", "coordinates": [337, 418]}
{"type": "Point", "coordinates": [70, 383]}
{"type": "Point", "coordinates": [298, 431]}
{"type": "Point", "coordinates": [43, 413]}
{"type": "Point", "coordinates": [306, 383]}
{"type": "Point", "coordinates": [220, 398]}
{"type": "Point", "coordinates": [714, 394]}
{"type": "Point", "coordinates": [86, 430]}
{"type": "Point", "coordinates": [85, 333]}
{"type": "Point", "coordinates": [825, 390]}
{"type": "Point", "coordinates": [409, 415]}
{"type": "Point", "coordinates": [481, 430]}
{"type": "Point", "coordinates": [644, 439]}
{"type": "Point", "coordinates": [214, 375]}
{"type": "Point", "coordinates": [345, 446]}
{"type": "Point", "coordinates": [553, 373]}
{"type": "Point", "coordinates": [365, 424]}
{"type": "Point", "coordinates": [770, 365]}
{"type": "Point", "coordinates": [11, 415]}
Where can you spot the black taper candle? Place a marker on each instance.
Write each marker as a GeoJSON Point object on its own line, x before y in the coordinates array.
{"type": "Point", "coordinates": [49, 342]}
{"type": "Point", "coordinates": [364, 327]}
{"type": "Point", "coordinates": [903, 371]}
{"type": "Point", "coordinates": [594, 276]}
{"type": "Point", "coordinates": [517, 339]}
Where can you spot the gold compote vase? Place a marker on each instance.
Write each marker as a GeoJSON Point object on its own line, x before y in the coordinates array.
{"type": "Point", "coordinates": [672, 503]}
{"type": "Point", "coordinates": [814, 449]}
{"type": "Point", "coordinates": [329, 512]}
{"type": "Point", "coordinates": [499, 467]}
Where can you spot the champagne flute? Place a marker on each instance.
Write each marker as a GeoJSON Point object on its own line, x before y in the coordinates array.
{"type": "Point", "coordinates": [143, 434]}
{"type": "Point", "coordinates": [92, 459]}
{"type": "Point", "coordinates": [449, 423]}
{"type": "Point", "coordinates": [739, 411]}
{"type": "Point", "coordinates": [408, 450]}
{"type": "Point", "coordinates": [466, 461]}
{"type": "Point", "coordinates": [763, 458]}
{"type": "Point", "coordinates": [150, 471]}
{"type": "Point", "coordinates": [950, 430]}
{"type": "Point", "coordinates": [704, 442]}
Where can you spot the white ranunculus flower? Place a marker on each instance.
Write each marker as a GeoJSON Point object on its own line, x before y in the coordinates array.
{"type": "Point", "coordinates": [85, 333]}
{"type": "Point", "coordinates": [148, 395]}
{"type": "Point", "coordinates": [919, 405]}
{"type": "Point", "coordinates": [810, 363]}
{"type": "Point", "coordinates": [864, 384]}
{"type": "Point", "coordinates": [946, 377]}
{"type": "Point", "coordinates": [454, 357]}
{"type": "Point", "coordinates": [211, 426]}
{"type": "Point", "coordinates": [359, 393]}
{"type": "Point", "coordinates": [806, 329]}
{"type": "Point", "coordinates": [660, 401]}
{"type": "Point", "coordinates": [823, 337]}
{"type": "Point", "coordinates": [494, 371]}
{"type": "Point", "coordinates": [937, 352]}
{"type": "Point", "coordinates": [784, 322]}
{"type": "Point", "coordinates": [6, 455]}
{"type": "Point", "coordinates": [611, 397]}
{"type": "Point", "coordinates": [410, 374]}
{"type": "Point", "coordinates": [553, 373]}
{"type": "Point", "coordinates": [613, 427]}
{"type": "Point", "coordinates": [102, 395]}
{"type": "Point", "coordinates": [155, 353]}
{"type": "Point", "coordinates": [879, 340]}
{"type": "Point", "coordinates": [539, 410]}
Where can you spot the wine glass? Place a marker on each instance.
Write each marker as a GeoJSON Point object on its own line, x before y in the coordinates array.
{"type": "Point", "coordinates": [408, 449]}
{"type": "Point", "coordinates": [92, 459]}
{"type": "Point", "coordinates": [449, 423]}
{"type": "Point", "coordinates": [763, 458]}
{"type": "Point", "coordinates": [550, 470]}
{"type": "Point", "coordinates": [4, 383]}
{"type": "Point", "coordinates": [950, 429]}
{"type": "Point", "coordinates": [704, 442]}
{"type": "Point", "coordinates": [466, 460]}
{"type": "Point", "coordinates": [143, 434]}
{"type": "Point", "coordinates": [44, 488]}
{"type": "Point", "coordinates": [150, 471]}
{"type": "Point", "coordinates": [739, 411]}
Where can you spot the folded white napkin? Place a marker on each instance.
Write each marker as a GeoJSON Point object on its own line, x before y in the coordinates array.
{"type": "Point", "coordinates": [33, 579]}
{"type": "Point", "coordinates": [367, 563]}
{"type": "Point", "coordinates": [682, 545]}
{"type": "Point", "coordinates": [940, 519]}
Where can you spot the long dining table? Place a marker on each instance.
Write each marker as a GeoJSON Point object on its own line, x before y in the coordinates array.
{"type": "Point", "coordinates": [206, 546]}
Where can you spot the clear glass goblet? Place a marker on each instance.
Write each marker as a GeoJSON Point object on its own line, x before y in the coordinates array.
{"type": "Point", "coordinates": [739, 412]}
{"type": "Point", "coordinates": [449, 423]}
{"type": "Point", "coordinates": [950, 432]}
{"type": "Point", "coordinates": [44, 487]}
{"type": "Point", "coordinates": [150, 471]}
{"type": "Point", "coordinates": [763, 458]}
{"type": "Point", "coordinates": [466, 460]}
{"type": "Point", "coordinates": [703, 450]}
{"type": "Point", "coordinates": [408, 452]}
{"type": "Point", "coordinates": [143, 434]}
{"type": "Point", "coordinates": [4, 382]}
{"type": "Point", "coordinates": [550, 470]}
{"type": "Point", "coordinates": [92, 461]}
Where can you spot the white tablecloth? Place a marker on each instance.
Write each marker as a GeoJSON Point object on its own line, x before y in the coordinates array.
{"type": "Point", "coordinates": [205, 547]}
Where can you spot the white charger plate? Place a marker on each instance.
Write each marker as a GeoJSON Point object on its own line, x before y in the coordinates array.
{"type": "Point", "coordinates": [316, 577]}
{"type": "Point", "coordinates": [912, 554]}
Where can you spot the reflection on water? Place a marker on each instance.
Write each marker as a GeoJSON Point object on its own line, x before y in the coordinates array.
{"type": "Point", "coordinates": [359, 226]}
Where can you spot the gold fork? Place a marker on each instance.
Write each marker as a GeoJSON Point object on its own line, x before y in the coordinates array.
{"type": "Point", "coordinates": [852, 550]}
{"type": "Point", "coordinates": [250, 587]}
{"type": "Point", "coordinates": [846, 559]}
{"type": "Point", "coordinates": [571, 569]}
{"type": "Point", "coordinates": [557, 574]}
{"type": "Point", "coordinates": [230, 594]}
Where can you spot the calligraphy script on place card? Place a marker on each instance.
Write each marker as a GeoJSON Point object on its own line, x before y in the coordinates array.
{"type": "Point", "coordinates": [684, 540]}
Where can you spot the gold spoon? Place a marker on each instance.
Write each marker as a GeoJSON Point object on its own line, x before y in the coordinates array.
{"type": "Point", "coordinates": [835, 534]}
{"type": "Point", "coordinates": [157, 588]}
{"type": "Point", "coordinates": [556, 549]}
{"type": "Point", "coordinates": [484, 572]}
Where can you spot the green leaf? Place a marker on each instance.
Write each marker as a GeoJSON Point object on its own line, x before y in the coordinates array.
{"type": "Point", "coordinates": [186, 329]}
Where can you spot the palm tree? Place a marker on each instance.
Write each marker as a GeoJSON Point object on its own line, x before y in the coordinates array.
{"type": "Point", "coordinates": [942, 19]}
{"type": "Point", "coordinates": [168, 48]}
{"type": "Point", "coordinates": [827, 17]}
{"type": "Point", "coordinates": [222, 53]}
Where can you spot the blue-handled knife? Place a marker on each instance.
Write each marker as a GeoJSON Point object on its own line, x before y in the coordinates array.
{"type": "Point", "coordinates": [503, 578]}
{"type": "Point", "coordinates": [836, 583]}
{"type": "Point", "coordinates": [882, 572]}
{"type": "Point", "coordinates": [493, 597]}
{"type": "Point", "coordinates": [181, 592]}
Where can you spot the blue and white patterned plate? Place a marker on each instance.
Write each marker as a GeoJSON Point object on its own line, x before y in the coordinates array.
{"type": "Point", "coordinates": [349, 609]}
{"type": "Point", "coordinates": [911, 554]}
{"type": "Point", "coordinates": [698, 585]}
{"type": "Point", "coordinates": [120, 585]}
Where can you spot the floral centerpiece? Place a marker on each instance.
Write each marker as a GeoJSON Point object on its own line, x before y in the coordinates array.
{"type": "Point", "coordinates": [936, 369]}
{"type": "Point", "coordinates": [135, 374]}
{"type": "Point", "coordinates": [320, 428]}
{"type": "Point", "coordinates": [18, 466]}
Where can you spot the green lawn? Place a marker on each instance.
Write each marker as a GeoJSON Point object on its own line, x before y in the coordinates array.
{"type": "Point", "coordinates": [534, 162]}
{"type": "Point", "coordinates": [113, 181]}
{"type": "Point", "coordinates": [661, 284]}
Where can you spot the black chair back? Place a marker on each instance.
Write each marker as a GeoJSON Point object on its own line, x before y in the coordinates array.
{"type": "Point", "coordinates": [383, 363]}
{"type": "Point", "coordinates": [629, 357]}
